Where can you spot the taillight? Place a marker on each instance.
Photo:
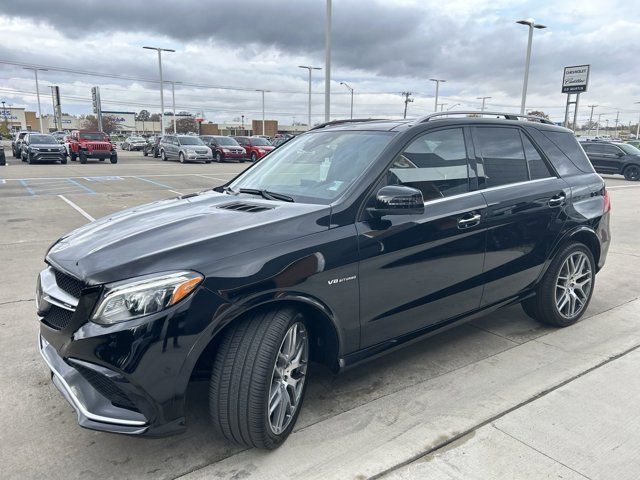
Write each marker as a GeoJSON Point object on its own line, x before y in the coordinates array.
{"type": "Point", "coordinates": [607, 200]}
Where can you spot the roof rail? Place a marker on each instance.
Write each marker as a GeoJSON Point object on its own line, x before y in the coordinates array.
{"type": "Point", "coordinates": [339, 122]}
{"type": "Point", "coordinates": [476, 113]}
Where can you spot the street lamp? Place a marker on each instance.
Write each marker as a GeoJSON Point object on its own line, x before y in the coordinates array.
{"type": "Point", "coordinates": [4, 113]}
{"type": "Point", "coordinates": [308, 67]}
{"type": "Point", "coordinates": [483, 100]}
{"type": "Point", "coordinates": [327, 64]}
{"type": "Point", "coordinates": [531, 24]}
{"type": "Point", "coordinates": [262, 91]}
{"type": "Point", "coordinates": [35, 71]}
{"type": "Point", "coordinates": [350, 90]}
{"type": "Point", "coordinates": [173, 99]}
{"type": "Point", "coordinates": [637, 127]}
{"type": "Point", "coordinates": [437, 90]}
{"type": "Point", "coordinates": [160, 50]}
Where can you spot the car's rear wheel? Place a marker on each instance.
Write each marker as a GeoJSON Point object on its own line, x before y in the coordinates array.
{"type": "Point", "coordinates": [564, 293]}
{"type": "Point", "coordinates": [632, 173]}
{"type": "Point", "coordinates": [259, 378]}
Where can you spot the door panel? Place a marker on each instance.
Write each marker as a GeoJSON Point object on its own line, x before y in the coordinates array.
{"type": "Point", "coordinates": [523, 221]}
{"type": "Point", "coordinates": [420, 270]}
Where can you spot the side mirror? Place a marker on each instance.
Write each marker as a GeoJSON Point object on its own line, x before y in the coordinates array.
{"type": "Point", "coordinates": [619, 154]}
{"type": "Point", "coordinates": [397, 200]}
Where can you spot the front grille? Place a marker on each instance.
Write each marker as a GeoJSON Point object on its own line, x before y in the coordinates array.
{"type": "Point", "coordinates": [58, 318]}
{"type": "Point", "coordinates": [100, 146]}
{"type": "Point", "coordinates": [202, 151]}
{"type": "Point", "coordinates": [69, 284]}
{"type": "Point", "coordinates": [106, 387]}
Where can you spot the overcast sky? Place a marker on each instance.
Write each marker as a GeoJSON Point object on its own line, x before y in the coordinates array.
{"type": "Point", "coordinates": [381, 48]}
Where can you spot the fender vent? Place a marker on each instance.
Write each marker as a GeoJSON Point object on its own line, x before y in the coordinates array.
{"type": "Point", "coordinates": [245, 207]}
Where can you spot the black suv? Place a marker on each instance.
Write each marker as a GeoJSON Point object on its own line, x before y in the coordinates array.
{"type": "Point", "coordinates": [342, 244]}
{"type": "Point", "coordinates": [614, 158]}
{"type": "Point", "coordinates": [41, 147]}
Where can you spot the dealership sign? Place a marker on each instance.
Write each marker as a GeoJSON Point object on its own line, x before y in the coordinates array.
{"type": "Point", "coordinates": [575, 79]}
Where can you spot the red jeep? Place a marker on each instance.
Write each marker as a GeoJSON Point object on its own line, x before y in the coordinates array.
{"type": "Point", "coordinates": [85, 144]}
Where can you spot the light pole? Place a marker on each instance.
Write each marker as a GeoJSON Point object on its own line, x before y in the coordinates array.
{"type": "Point", "coordinates": [327, 65]}
{"type": "Point", "coordinates": [35, 71]}
{"type": "Point", "coordinates": [173, 100]}
{"type": "Point", "coordinates": [308, 67]}
{"type": "Point", "coordinates": [4, 113]}
{"type": "Point", "coordinates": [483, 100]}
{"type": "Point", "coordinates": [441, 105]}
{"type": "Point", "coordinates": [591, 118]}
{"type": "Point", "coordinates": [262, 91]}
{"type": "Point", "coordinates": [637, 126]}
{"type": "Point", "coordinates": [530, 22]}
{"type": "Point", "coordinates": [437, 90]}
{"type": "Point", "coordinates": [598, 124]}
{"type": "Point", "coordinates": [350, 90]}
{"type": "Point", "coordinates": [160, 50]}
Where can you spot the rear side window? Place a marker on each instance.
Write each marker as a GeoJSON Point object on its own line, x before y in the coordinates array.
{"type": "Point", "coordinates": [435, 163]}
{"type": "Point", "coordinates": [611, 150]}
{"type": "Point", "coordinates": [502, 156]}
{"type": "Point", "coordinates": [569, 145]}
{"type": "Point", "coordinates": [537, 168]}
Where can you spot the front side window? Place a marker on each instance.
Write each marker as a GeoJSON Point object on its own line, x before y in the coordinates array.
{"type": "Point", "coordinates": [316, 167]}
{"type": "Point", "coordinates": [435, 163]}
{"type": "Point", "coordinates": [502, 155]}
{"type": "Point", "coordinates": [629, 149]}
{"type": "Point", "coordinates": [187, 140]}
{"type": "Point", "coordinates": [260, 142]}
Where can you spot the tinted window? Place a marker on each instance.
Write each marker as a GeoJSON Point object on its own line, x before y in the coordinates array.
{"type": "Point", "coordinates": [569, 145]}
{"type": "Point", "coordinates": [41, 139]}
{"type": "Point", "coordinates": [93, 136]}
{"type": "Point", "coordinates": [435, 163]}
{"type": "Point", "coordinates": [591, 148]}
{"type": "Point", "coordinates": [502, 155]}
{"type": "Point", "coordinates": [610, 150]}
{"type": "Point", "coordinates": [629, 149]}
{"type": "Point", "coordinates": [559, 160]}
{"type": "Point", "coordinates": [537, 167]}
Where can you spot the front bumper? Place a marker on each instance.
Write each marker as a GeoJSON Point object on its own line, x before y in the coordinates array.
{"type": "Point", "coordinates": [94, 410]}
{"type": "Point", "coordinates": [48, 156]}
{"type": "Point", "coordinates": [99, 153]}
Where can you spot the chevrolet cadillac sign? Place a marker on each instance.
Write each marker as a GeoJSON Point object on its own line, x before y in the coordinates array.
{"type": "Point", "coordinates": [575, 79]}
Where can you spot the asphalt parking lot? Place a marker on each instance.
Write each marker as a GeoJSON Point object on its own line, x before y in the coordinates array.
{"type": "Point", "coordinates": [501, 397]}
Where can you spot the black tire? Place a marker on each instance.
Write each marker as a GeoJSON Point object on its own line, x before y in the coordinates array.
{"type": "Point", "coordinates": [114, 159]}
{"type": "Point", "coordinates": [155, 153]}
{"type": "Point", "coordinates": [254, 157]}
{"type": "Point", "coordinates": [163, 156]}
{"type": "Point", "coordinates": [144, 152]}
{"type": "Point", "coordinates": [22, 157]}
{"type": "Point", "coordinates": [14, 152]}
{"type": "Point", "coordinates": [72, 156]}
{"type": "Point", "coordinates": [218, 157]}
{"type": "Point", "coordinates": [242, 376]}
{"type": "Point", "coordinates": [63, 161]}
{"type": "Point", "coordinates": [181, 157]}
{"type": "Point", "coordinates": [542, 307]}
{"type": "Point", "coordinates": [207, 161]}
{"type": "Point", "coordinates": [82, 157]}
{"type": "Point", "coordinates": [632, 173]}
{"type": "Point", "coordinates": [30, 159]}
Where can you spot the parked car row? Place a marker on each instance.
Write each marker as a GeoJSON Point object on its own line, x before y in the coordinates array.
{"type": "Point", "coordinates": [614, 158]}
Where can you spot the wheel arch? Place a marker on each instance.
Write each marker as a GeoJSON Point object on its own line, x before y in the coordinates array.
{"type": "Point", "coordinates": [583, 234]}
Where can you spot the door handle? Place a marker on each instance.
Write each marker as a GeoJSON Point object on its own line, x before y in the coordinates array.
{"type": "Point", "coordinates": [557, 200]}
{"type": "Point", "coordinates": [469, 220]}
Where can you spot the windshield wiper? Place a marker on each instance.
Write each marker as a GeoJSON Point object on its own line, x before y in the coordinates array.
{"type": "Point", "coordinates": [266, 194]}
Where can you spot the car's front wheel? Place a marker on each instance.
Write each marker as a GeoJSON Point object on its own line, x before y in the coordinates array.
{"type": "Point", "coordinates": [163, 156]}
{"type": "Point", "coordinates": [564, 293]}
{"type": "Point", "coordinates": [259, 378]}
{"type": "Point", "coordinates": [181, 157]}
{"type": "Point", "coordinates": [632, 173]}
{"type": "Point", "coordinates": [254, 157]}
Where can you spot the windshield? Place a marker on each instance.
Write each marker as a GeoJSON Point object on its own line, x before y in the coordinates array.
{"type": "Point", "coordinates": [260, 141]}
{"type": "Point", "coordinates": [629, 149]}
{"type": "Point", "coordinates": [317, 167]}
{"type": "Point", "coordinates": [226, 141]}
{"type": "Point", "coordinates": [93, 136]}
{"type": "Point", "coordinates": [136, 139]}
{"type": "Point", "coordinates": [42, 139]}
{"type": "Point", "coordinates": [190, 141]}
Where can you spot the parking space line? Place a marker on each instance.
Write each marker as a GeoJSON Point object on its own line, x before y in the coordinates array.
{"type": "Point", "coordinates": [87, 189]}
{"type": "Point", "coordinates": [129, 176]}
{"type": "Point", "coordinates": [29, 189]}
{"type": "Point", "coordinates": [209, 177]}
{"type": "Point", "coordinates": [176, 192]}
{"type": "Point", "coordinates": [623, 186]}
{"type": "Point", "coordinates": [155, 183]}
{"type": "Point", "coordinates": [77, 208]}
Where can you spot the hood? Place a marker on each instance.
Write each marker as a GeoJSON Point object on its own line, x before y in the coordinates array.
{"type": "Point", "coordinates": [46, 145]}
{"type": "Point", "coordinates": [190, 232]}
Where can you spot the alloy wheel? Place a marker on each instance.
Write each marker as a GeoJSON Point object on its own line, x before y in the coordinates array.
{"type": "Point", "coordinates": [288, 377]}
{"type": "Point", "coordinates": [573, 285]}
{"type": "Point", "coordinates": [632, 173]}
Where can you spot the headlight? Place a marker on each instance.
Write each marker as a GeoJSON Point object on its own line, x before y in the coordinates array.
{"type": "Point", "coordinates": [35, 149]}
{"type": "Point", "coordinates": [191, 150]}
{"type": "Point", "coordinates": [261, 150]}
{"type": "Point", "coordinates": [139, 297]}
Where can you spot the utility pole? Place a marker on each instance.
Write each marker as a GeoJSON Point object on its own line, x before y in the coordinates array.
{"type": "Point", "coordinates": [441, 105]}
{"type": "Point", "coordinates": [617, 119]}
{"type": "Point", "coordinates": [591, 117]}
{"type": "Point", "coordinates": [438, 81]}
{"type": "Point", "coordinates": [262, 91]}
{"type": "Point", "coordinates": [483, 100]}
{"type": "Point", "coordinates": [598, 125]}
{"type": "Point", "coordinates": [637, 127]}
{"type": "Point", "coordinates": [173, 101]}
{"type": "Point", "coordinates": [407, 100]}
{"type": "Point", "coordinates": [327, 65]}
{"type": "Point", "coordinates": [35, 71]}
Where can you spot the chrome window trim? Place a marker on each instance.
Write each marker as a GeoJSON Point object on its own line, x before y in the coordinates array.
{"type": "Point", "coordinates": [465, 194]}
